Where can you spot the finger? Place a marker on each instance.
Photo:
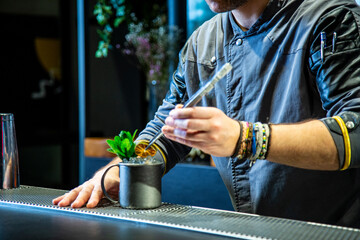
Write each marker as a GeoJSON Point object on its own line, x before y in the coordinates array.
{"type": "Point", "coordinates": [55, 201]}
{"type": "Point", "coordinates": [190, 124]}
{"type": "Point", "coordinates": [192, 112]}
{"type": "Point", "coordinates": [196, 136]}
{"type": "Point", "coordinates": [189, 143]}
{"type": "Point", "coordinates": [169, 121]}
{"type": "Point", "coordinates": [83, 196]}
{"type": "Point", "coordinates": [69, 197]}
{"type": "Point", "coordinates": [95, 197]}
{"type": "Point", "coordinates": [177, 132]}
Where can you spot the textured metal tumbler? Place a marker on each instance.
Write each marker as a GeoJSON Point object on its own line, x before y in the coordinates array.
{"type": "Point", "coordinates": [140, 185]}
{"type": "Point", "coordinates": [9, 174]}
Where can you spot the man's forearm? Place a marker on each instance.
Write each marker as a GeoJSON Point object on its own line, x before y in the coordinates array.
{"type": "Point", "coordinates": [304, 145]}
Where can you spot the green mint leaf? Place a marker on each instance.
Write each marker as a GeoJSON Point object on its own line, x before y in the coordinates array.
{"type": "Point", "coordinates": [117, 139]}
{"type": "Point", "coordinates": [111, 150]}
{"type": "Point", "coordinates": [122, 155]}
{"type": "Point", "coordinates": [122, 135]}
{"type": "Point", "coordinates": [133, 136]}
{"type": "Point", "coordinates": [125, 145]}
{"type": "Point", "coordinates": [111, 143]}
{"type": "Point", "coordinates": [132, 149]}
{"type": "Point", "coordinates": [128, 136]}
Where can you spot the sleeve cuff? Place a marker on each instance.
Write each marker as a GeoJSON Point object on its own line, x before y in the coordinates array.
{"type": "Point", "coordinates": [345, 131]}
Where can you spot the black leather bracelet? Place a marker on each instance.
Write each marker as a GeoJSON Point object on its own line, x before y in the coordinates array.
{"type": "Point", "coordinates": [238, 143]}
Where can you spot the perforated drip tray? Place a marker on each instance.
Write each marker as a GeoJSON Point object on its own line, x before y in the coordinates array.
{"type": "Point", "coordinates": [211, 221]}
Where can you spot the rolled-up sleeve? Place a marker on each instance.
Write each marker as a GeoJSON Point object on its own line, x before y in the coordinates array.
{"type": "Point", "coordinates": [338, 79]}
{"type": "Point", "coordinates": [338, 75]}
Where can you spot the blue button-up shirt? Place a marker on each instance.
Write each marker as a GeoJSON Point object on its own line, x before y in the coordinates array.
{"type": "Point", "coordinates": [278, 76]}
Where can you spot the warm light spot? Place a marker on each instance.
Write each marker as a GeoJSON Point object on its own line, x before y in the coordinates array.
{"type": "Point", "coordinates": [141, 152]}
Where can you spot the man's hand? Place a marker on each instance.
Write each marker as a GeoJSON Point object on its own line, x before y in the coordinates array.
{"type": "Point", "coordinates": [205, 128]}
{"type": "Point", "coordinates": [90, 192]}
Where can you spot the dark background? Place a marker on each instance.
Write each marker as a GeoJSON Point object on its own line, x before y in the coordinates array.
{"type": "Point", "coordinates": [48, 127]}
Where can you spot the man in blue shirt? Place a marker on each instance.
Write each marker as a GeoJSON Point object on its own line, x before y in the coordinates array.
{"type": "Point", "coordinates": [282, 123]}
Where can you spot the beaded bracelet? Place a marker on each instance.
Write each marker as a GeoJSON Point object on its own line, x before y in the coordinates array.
{"type": "Point", "coordinates": [265, 140]}
{"type": "Point", "coordinates": [245, 136]}
{"type": "Point", "coordinates": [249, 140]}
{"type": "Point", "coordinates": [258, 137]}
{"type": "Point", "coordinates": [253, 141]}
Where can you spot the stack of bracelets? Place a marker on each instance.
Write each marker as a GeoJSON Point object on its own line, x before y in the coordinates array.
{"type": "Point", "coordinates": [253, 142]}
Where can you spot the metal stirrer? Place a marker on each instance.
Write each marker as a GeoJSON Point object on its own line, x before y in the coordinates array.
{"type": "Point", "coordinates": [198, 95]}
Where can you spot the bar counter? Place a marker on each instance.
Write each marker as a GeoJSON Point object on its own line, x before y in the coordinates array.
{"type": "Point", "coordinates": [27, 213]}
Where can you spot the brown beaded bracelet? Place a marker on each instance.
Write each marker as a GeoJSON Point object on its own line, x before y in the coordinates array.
{"type": "Point", "coordinates": [249, 132]}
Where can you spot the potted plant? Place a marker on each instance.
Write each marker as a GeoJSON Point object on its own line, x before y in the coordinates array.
{"type": "Point", "coordinates": [139, 171]}
{"type": "Point", "coordinates": [127, 150]}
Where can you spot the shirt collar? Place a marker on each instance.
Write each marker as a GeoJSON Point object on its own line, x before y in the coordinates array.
{"type": "Point", "coordinates": [271, 9]}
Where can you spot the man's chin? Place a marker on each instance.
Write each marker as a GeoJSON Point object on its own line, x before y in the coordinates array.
{"type": "Point", "coordinates": [215, 7]}
{"type": "Point", "coordinates": [219, 6]}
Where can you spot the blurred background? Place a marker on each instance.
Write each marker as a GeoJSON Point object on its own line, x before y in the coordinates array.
{"type": "Point", "coordinates": [69, 72]}
{"type": "Point", "coordinates": [78, 72]}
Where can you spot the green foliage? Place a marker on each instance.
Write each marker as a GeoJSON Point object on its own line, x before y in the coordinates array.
{"type": "Point", "coordinates": [123, 145]}
{"type": "Point", "coordinates": [110, 14]}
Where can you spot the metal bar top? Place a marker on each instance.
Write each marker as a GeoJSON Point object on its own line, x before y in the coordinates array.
{"type": "Point", "coordinates": [212, 222]}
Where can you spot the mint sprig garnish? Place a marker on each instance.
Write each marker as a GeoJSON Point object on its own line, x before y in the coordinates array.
{"type": "Point", "coordinates": [123, 145]}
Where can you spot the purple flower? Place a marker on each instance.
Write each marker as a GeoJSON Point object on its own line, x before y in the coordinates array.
{"type": "Point", "coordinates": [143, 43]}
{"type": "Point", "coordinates": [128, 52]}
{"type": "Point", "coordinates": [153, 48]}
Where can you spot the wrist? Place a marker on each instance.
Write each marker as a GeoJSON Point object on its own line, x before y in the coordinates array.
{"type": "Point", "coordinates": [253, 141]}
{"type": "Point", "coordinates": [112, 172]}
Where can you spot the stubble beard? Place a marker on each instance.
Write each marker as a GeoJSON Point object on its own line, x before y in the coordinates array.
{"type": "Point", "coordinates": [225, 5]}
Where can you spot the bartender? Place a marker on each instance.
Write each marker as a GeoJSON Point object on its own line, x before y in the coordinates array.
{"type": "Point", "coordinates": [283, 126]}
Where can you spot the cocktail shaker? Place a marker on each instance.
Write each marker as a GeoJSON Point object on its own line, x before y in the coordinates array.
{"type": "Point", "coordinates": [9, 165]}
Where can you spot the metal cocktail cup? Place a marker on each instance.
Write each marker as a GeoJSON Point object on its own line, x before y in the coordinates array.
{"type": "Point", "coordinates": [140, 185]}
{"type": "Point", "coordinates": [9, 174]}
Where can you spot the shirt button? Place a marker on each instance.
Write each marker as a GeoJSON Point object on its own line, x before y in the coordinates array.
{"type": "Point", "coordinates": [239, 42]}
{"type": "Point", "coordinates": [213, 60]}
{"type": "Point", "coordinates": [350, 125]}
